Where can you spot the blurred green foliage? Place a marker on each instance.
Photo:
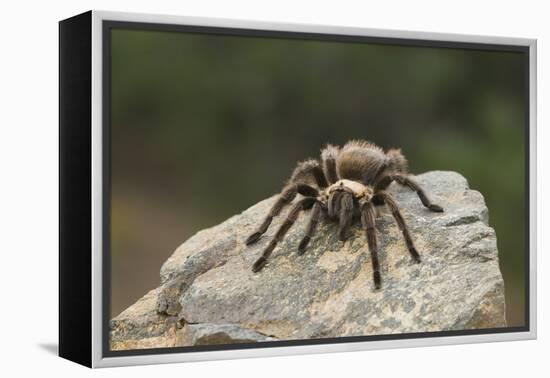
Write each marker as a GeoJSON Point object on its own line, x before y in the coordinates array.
{"type": "Point", "coordinates": [204, 126]}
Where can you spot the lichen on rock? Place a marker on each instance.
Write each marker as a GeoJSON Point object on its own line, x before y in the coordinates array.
{"type": "Point", "coordinates": [209, 294]}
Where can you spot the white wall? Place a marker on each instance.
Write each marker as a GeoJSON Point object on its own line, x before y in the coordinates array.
{"type": "Point", "coordinates": [28, 164]}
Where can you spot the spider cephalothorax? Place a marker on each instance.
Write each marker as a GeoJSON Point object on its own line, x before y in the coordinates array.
{"type": "Point", "coordinates": [343, 187]}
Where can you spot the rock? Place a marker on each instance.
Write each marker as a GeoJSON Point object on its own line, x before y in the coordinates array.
{"type": "Point", "coordinates": [209, 294]}
{"type": "Point", "coordinates": [210, 334]}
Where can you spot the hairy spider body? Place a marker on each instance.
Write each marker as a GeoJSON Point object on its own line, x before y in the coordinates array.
{"type": "Point", "coordinates": [344, 186]}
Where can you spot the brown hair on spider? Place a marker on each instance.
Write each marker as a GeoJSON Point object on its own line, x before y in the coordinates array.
{"type": "Point", "coordinates": [343, 186]}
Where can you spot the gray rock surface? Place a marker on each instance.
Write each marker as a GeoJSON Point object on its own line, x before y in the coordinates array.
{"type": "Point", "coordinates": [208, 293]}
{"type": "Point", "coordinates": [210, 334]}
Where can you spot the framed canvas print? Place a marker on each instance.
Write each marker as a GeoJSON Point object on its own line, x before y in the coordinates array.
{"type": "Point", "coordinates": [237, 188]}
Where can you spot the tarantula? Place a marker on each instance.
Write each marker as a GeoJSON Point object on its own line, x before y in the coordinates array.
{"type": "Point", "coordinates": [343, 187]}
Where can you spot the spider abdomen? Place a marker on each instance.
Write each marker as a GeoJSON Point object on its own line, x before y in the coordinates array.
{"type": "Point", "coordinates": [360, 161]}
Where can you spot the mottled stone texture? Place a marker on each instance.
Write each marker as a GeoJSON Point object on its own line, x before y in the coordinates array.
{"type": "Point", "coordinates": [209, 295]}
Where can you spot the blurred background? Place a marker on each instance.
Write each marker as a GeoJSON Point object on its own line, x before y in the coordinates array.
{"type": "Point", "coordinates": [205, 126]}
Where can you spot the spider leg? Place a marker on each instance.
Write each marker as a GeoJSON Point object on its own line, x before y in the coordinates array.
{"type": "Point", "coordinates": [309, 170]}
{"type": "Point", "coordinates": [303, 204]}
{"type": "Point", "coordinates": [304, 172]}
{"type": "Point", "coordinates": [334, 203]}
{"type": "Point", "coordinates": [413, 185]}
{"type": "Point", "coordinates": [392, 205]}
{"type": "Point", "coordinates": [328, 157]}
{"type": "Point", "coordinates": [368, 219]}
{"type": "Point", "coordinates": [286, 197]}
{"type": "Point", "coordinates": [346, 215]}
{"type": "Point", "coordinates": [316, 213]}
